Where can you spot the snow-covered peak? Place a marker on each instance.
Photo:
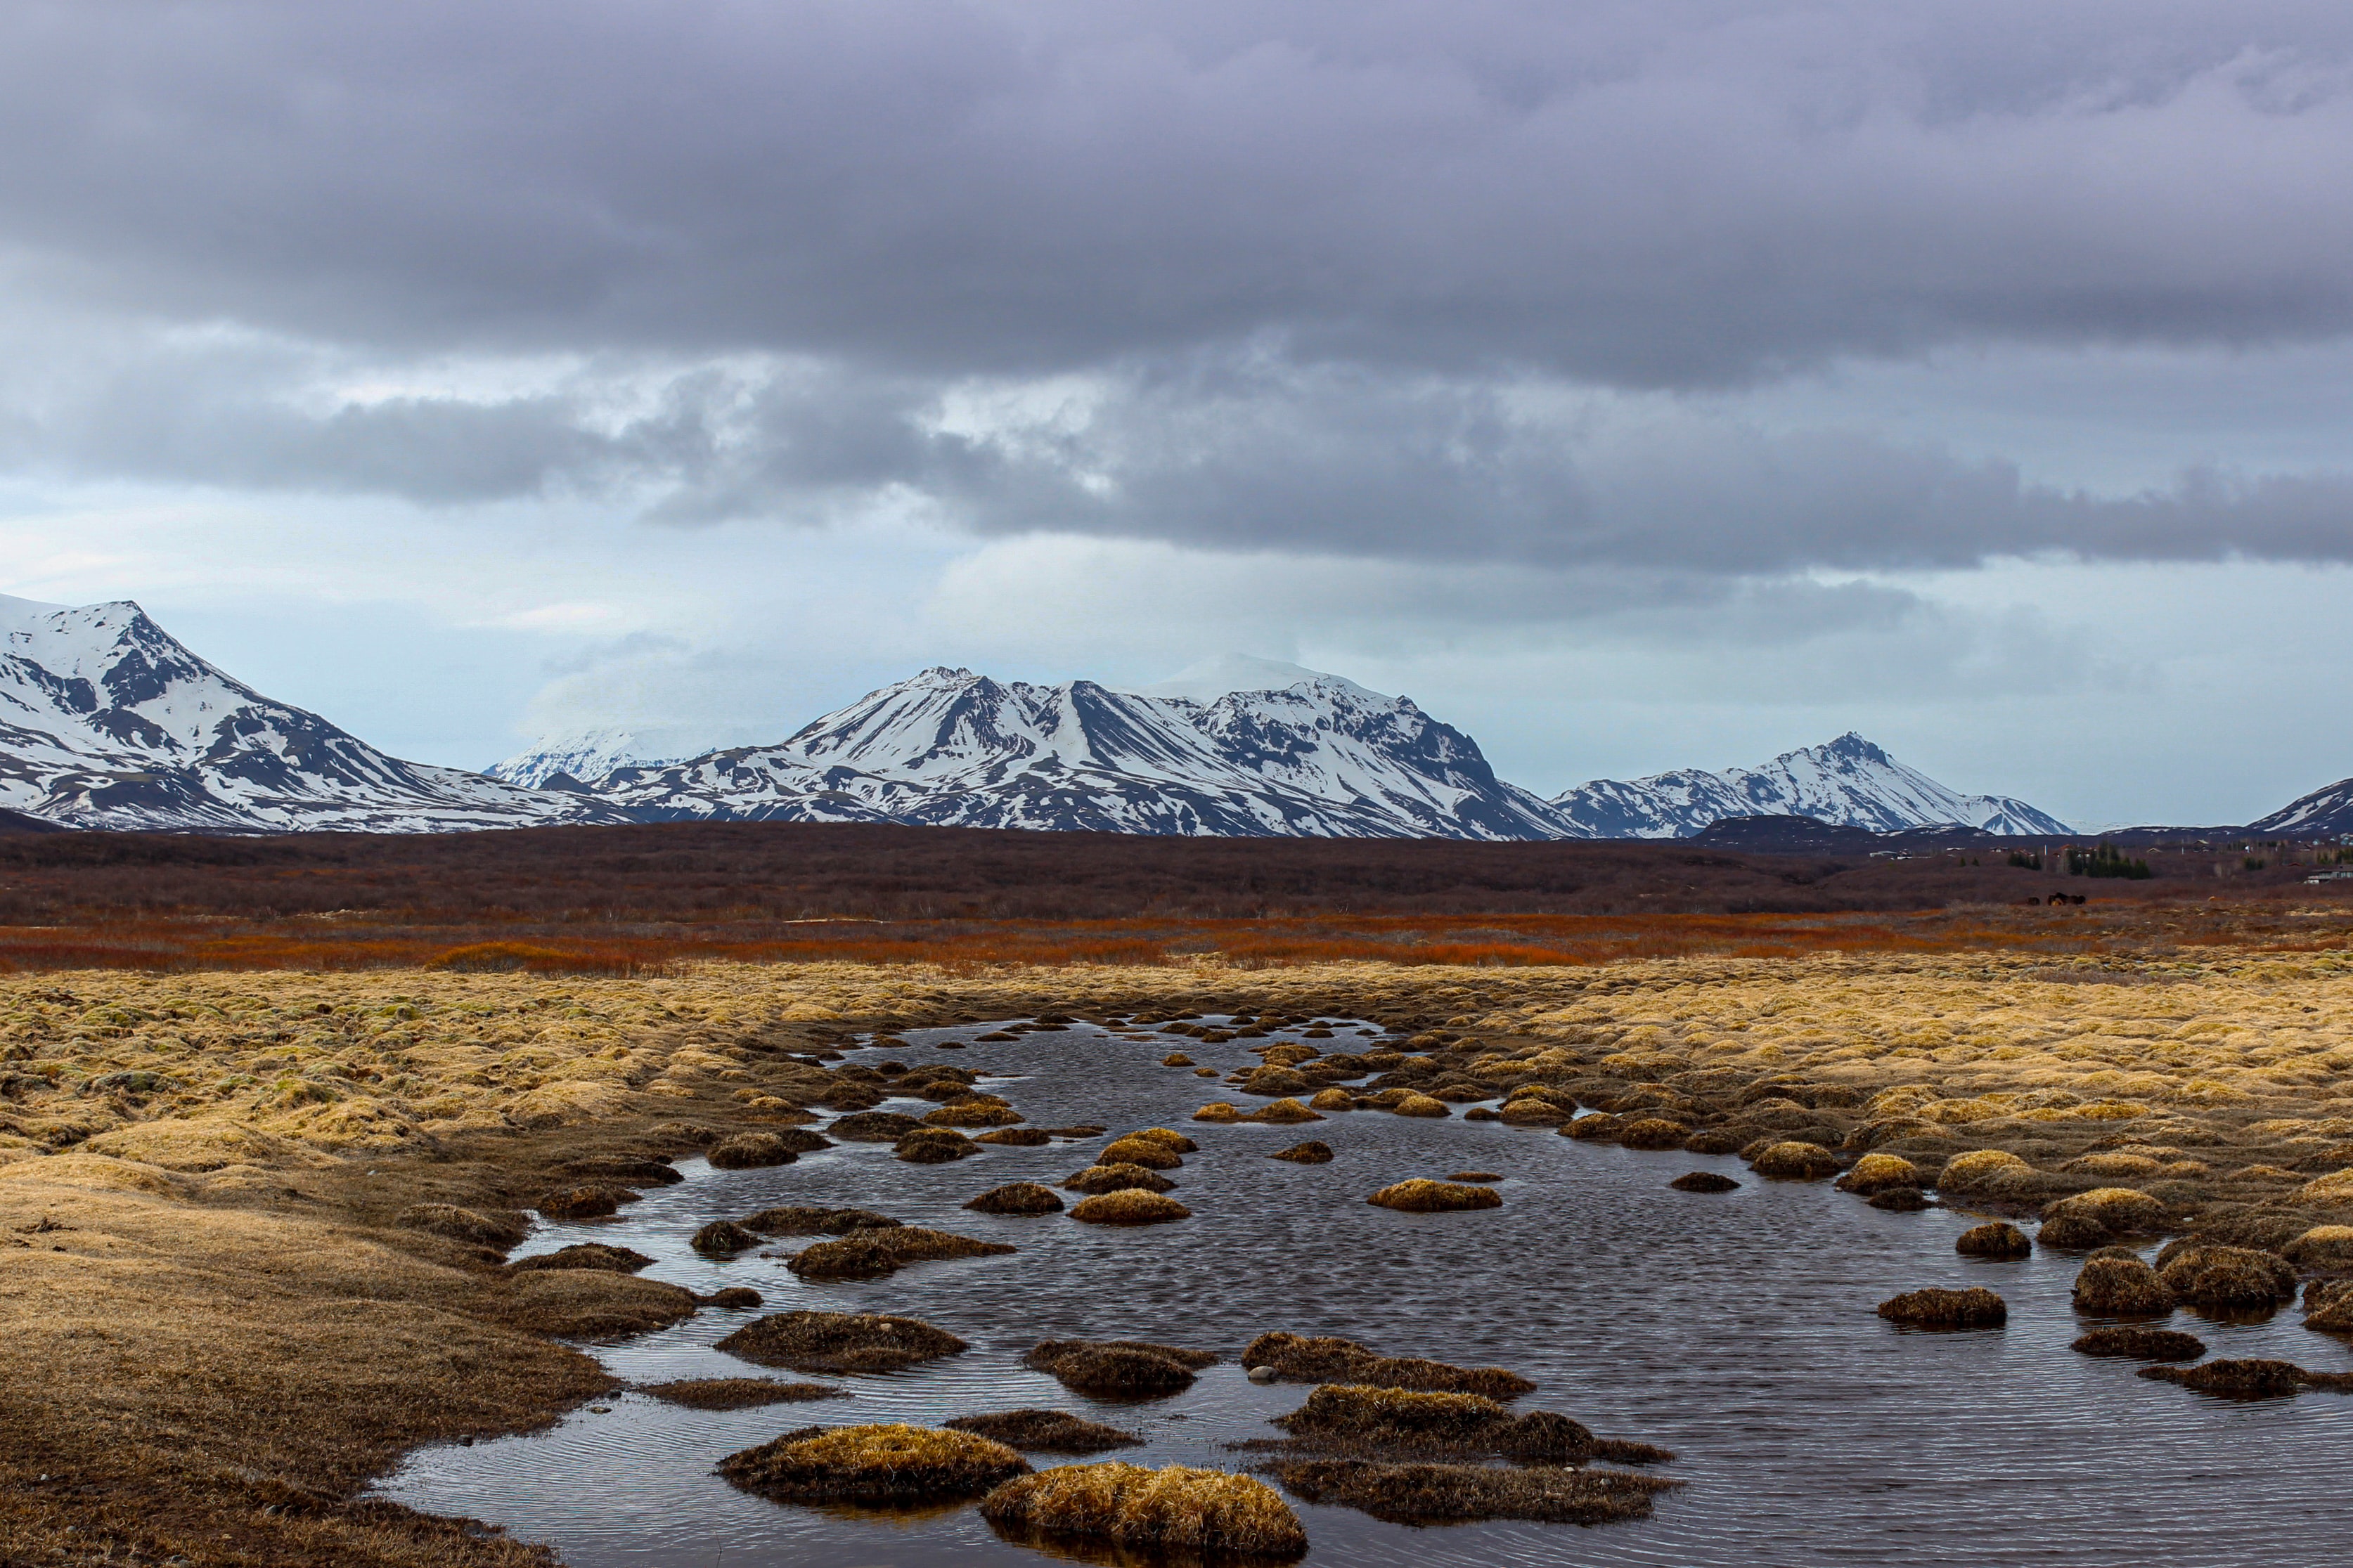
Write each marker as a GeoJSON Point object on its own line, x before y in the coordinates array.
{"type": "Point", "coordinates": [1228, 673]}
{"type": "Point", "coordinates": [583, 756]}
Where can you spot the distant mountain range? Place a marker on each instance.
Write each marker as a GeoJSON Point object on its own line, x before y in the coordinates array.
{"type": "Point", "coordinates": [107, 721]}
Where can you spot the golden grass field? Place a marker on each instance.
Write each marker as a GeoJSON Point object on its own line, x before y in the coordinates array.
{"type": "Point", "coordinates": [219, 1330]}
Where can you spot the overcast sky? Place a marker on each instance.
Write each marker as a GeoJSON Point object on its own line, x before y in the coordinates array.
{"type": "Point", "coordinates": [1635, 385]}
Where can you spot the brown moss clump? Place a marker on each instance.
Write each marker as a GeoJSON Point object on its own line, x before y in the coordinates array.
{"type": "Point", "coordinates": [2322, 1247]}
{"type": "Point", "coordinates": [1438, 1493]}
{"type": "Point", "coordinates": [1296, 1358]}
{"type": "Point", "coordinates": [736, 1393]}
{"type": "Point", "coordinates": [1217, 1110]}
{"type": "Point", "coordinates": [1312, 1153]}
{"type": "Point", "coordinates": [982, 1110]}
{"type": "Point", "coordinates": [1045, 1432]}
{"type": "Point", "coordinates": [1017, 1198]}
{"type": "Point", "coordinates": [1995, 1239]}
{"type": "Point", "coordinates": [725, 1238]}
{"type": "Point", "coordinates": [1653, 1133]}
{"type": "Point", "coordinates": [1422, 1195]}
{"type": "Point", "coordinates": [1704, 1182]}
{"type": "Point", "coordinates": [583, 1202]}
{"type": "Point", "coordinates": [1176, 1059]}
{"type": "Point", "coordinates": [840, 1341]}
{"type": "Point", "coordinates": [1167, 1138]}
{"type": "Point", "coordinates": [1877, 1173]}
{"type": "Point", "coordinates": [2141, 1344]}
{"type": "Point", "coordinates": [1282, 1113]}
{"type": "Point", "coordinates": [1118, 1369]}
{"type": "Point", "coordinates": [2099, 1216]}
{"type": "Point", "coordinates": [2229, 1278]}
{"type": "Point", "coordinates": [1129, 1205]}
{"type": "Point", "coordinates": [1474, 1175]}
{"type": "Point", "coordinates": [1016, 1137]}
{"type": "Point", "coordinates": [791, 1220]}
{"type": "Point", "coordinates": [873, 1126]}
{"type": "Point", "coordinates": [1795, 1161]}
{"type": "Point", "coordinates": [1976, 1308]}
{"type": "Point", "coordinates": [1420, 1105]}
{"type": "Point", "coordinates": [1148, 1153]}
{"type": "Point", "coordinates": [2237, 1378]}
{"type": "Point", "coordinates": [496, 1229]}
{"type": "Point", "coordinates": [2329, 1306]}
{"type": "Point", "coordinates": [1392, 1423]}
{"type": "Point", "coordinates": [877, 1464]}
{"type": "Point", "coordinates": [1176, 1507]}
{"type": "Point", "coordinates": [1117, 1178]}
{"type": "Point", "coordinates": [933, 1146]}
{"type": "Point", "coordinates": [2121, 1288]}
{"type": "Point", "coordinates": [1334, 1099]}
{"type": "Point", "coordinates": [871, 1254]}
{"type": "Point", "coordinates": [749, 1152]}
{"type": "Point", "coordinates": [588, 1255]}
{"type": "Point", "coordinates": [1983, 1171]}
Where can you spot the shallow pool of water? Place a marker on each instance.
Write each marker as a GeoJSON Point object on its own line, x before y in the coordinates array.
{"type": "Point", "coordinates": [1736, 1329]}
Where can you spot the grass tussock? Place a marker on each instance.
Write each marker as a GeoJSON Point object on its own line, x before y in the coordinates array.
{"type": "Point", "coordinates": [2248, 1377]}
{"type": "Point", "coordinates": [1175, 1508]}
{"type": "Point", "coordinates": [1314, 1151]}
{"type": "Point", "coordinates": [840, 1341]}
{"type": "Point", "coordinates": [2141, 1344]}
{"type": "Point", "coordinates": [1415, 1493]}
{"type": "Point", "coordinates": [750, 1151]}
{"type": "Point", "coordinates": [1704, 1182]}
{"type": "Point", "coordinates": [2121, 1288]}
{"type": "Point", "coordinates": [1418, 1195]}
{"type": "Point", "coordinates": [1109, 1178]}
{"type": "Point", "coordinates": [2227, 1278]}
{"type": "Point", "coordinates": [1795, 1161]}
{"type": "Point", "coordinates": [1294, 1358]}
{"type": "Point", "coordinates": [1129, 1205]}
{"type": "Point", "coordinates": [1149, 1152]}
{"type": "Point", "coordinates": [736, 1392]}
{"type": "Point", "coordinates": [875, 1252]}
{"type": "Point", "coordinates": [498, 1230]}
{"type": "Point", "coordinates": [882, 1464]}
{"type": "Point", "coordinates": [1995, 1238]}
{"type": "Point", "coordinates": [1118, 1369]}
{"type": "Point", "coordinates": [1393, 1423]}
{"type": "Point", "coordinates": [798, 1220]}
{"type": "Point", "coordinates": [1045, 1432]}
{"type": "Point", "coordinates": [1976, 1308]}
{"type": "Point", "coordinates": [2100, 1216]}
{"type": "Point", "coordinates": [589, 1255]}
{"type": "Point", "coordinates": [1017, 1198]}
{"type": "Point", "coordinates": [1878, 1172]}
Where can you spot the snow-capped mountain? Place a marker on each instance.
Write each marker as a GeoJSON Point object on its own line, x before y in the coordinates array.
{"type": "Point", "coordinates": [587, 754]}
{"type": "Point", "coordinates": [107, 721]}
{"type": "Point", "coordinates": [1849, 782]}
{"type": "Point", "coordinates": [2324, 813]}
{"type": "Point", "coordinates": [1320, 757]}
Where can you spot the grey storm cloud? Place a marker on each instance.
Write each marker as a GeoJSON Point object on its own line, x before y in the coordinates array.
{"type": "Point", "coordinates": [1310, 257]}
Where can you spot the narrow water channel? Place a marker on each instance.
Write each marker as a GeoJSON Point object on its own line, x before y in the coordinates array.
{"type": "Point", "coordinates": [1736, 1329]}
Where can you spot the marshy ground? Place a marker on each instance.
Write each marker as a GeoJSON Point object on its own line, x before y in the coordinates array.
{"type": "Point", "coordinates": [228, 1316]}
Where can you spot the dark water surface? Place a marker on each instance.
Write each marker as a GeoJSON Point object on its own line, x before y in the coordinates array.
{"type": "Point", "coordinates": [1737, 1331]}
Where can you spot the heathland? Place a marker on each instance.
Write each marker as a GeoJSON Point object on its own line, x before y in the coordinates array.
{"type": "Point", "coordinates": [232, 1294]}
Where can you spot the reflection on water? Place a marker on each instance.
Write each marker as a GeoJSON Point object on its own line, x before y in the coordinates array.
{"type": "Point", "coordinates": [1736, 1330]}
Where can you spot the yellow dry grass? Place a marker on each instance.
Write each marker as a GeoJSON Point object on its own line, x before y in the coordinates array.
{"type": "Point", "coordinates": [1129, 1505]}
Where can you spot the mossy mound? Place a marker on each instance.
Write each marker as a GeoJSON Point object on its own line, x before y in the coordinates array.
{"type": "Point", "coordinates": [933, 1146]}
{"type": "Point", "coordinates": [1118, 1369]}
{"type": "Point", "coordinates": [1175, 1508]}
{"type": "Point", "coordinates": [1795, 1161]}
{"type": "Point", "coordinates": [872, 1254]}
{"type": "Point", "coordinates": [2237, 1378]}
{"type": "Point", "coordinates": [2141, 1344]}
{"type": "Point", "coordinates": [725, 1238]}
{"type": "Point", "coordinates": [498, 1229]}
{"type": "Point", "coordinates": [2322, 1247]}
{"type": "Point", "coordinates": [1117, 1178]}
{"type": "Point", "coordinates": [1533, 1113]}
{"type": "Point", "coordinates": [1295, 1358]}
{"type": "Point", "coordinates": [1439, 1493]}
{"type": "Point", "coordinates": [878, 1464]}
{"type": "Point", "coordinates": [1016, 1138]}
{"type": "Point", "coordinates": [1167, 1138]}
{"type": "Point", "coordinates": [733, 1299]}
{"type": "Point", "coordinates": [2329, 1306]}
{"type": "Point", "coordinates": [840, 1341]}
{"type": "Point", "coordinates": [1395, 1423]}
{"type": "Point", "coordinates": [1148, 1153]}
{"type": "Point", "coordinates": [1422, 1195]}
{"type": "Point", "coordinates": [1045, 1432]}
{"type": "Point", "coordinates": [1129, 1205]}
{"type": "Point", "coordinates": [2229, 1278]}
{"type": "Point", "coordinates": [736, 1393]}
{"type": "Point", "coordinates": [750, 1151]}
{"type": "Point", "coordinates": [1898, 1200]}
{"type": "Point", "coordinates": [1017, 1198]}
{"type": "Point", "coordinates": [628, 1172]}
{"type": "Point", "coordinates": [1217, 1110]}
{"type": "Point", "coordinates": [1995, 1239]}
{"type": "Point", "coordinates": [586, 1254]}
{"type": "Point", "coordinates": [2121, 1288]}
{"type": "Point", "coordinates": [1176, 1059]}
{"type": "Point", "coordinates": [1334, 1099]}
{"type": "Point", "coordinates": [2099, 1216]}
{"type": "Point", "coordinates": [1474, 1175]}
{"type": "Point", "coordinates": [792, 1220]}
{"type": "Point", "coordinates": [587, 1202]}
{"type": "Point", "coordinates": [1877, 1173]}
{"type": "Point", "coordinates": [1704, 1182]}
{"type": "Point", "coordinates": [1312, 1153]}
{"type": "Point", "coordinates": [1982, 1171]}
{"type": "Point", "coordinates": [1976, 1308]}
{"type": "Point", "coordinates": [873, 1126]}
{"type": "Point", "coordinates": [1420, 1105]}
{"type": "Point", "coordinates": [984, 1111]}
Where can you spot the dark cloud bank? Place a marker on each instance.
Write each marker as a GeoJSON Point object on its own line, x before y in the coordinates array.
{"type": "Point", "coordinates": [1327, 277]}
